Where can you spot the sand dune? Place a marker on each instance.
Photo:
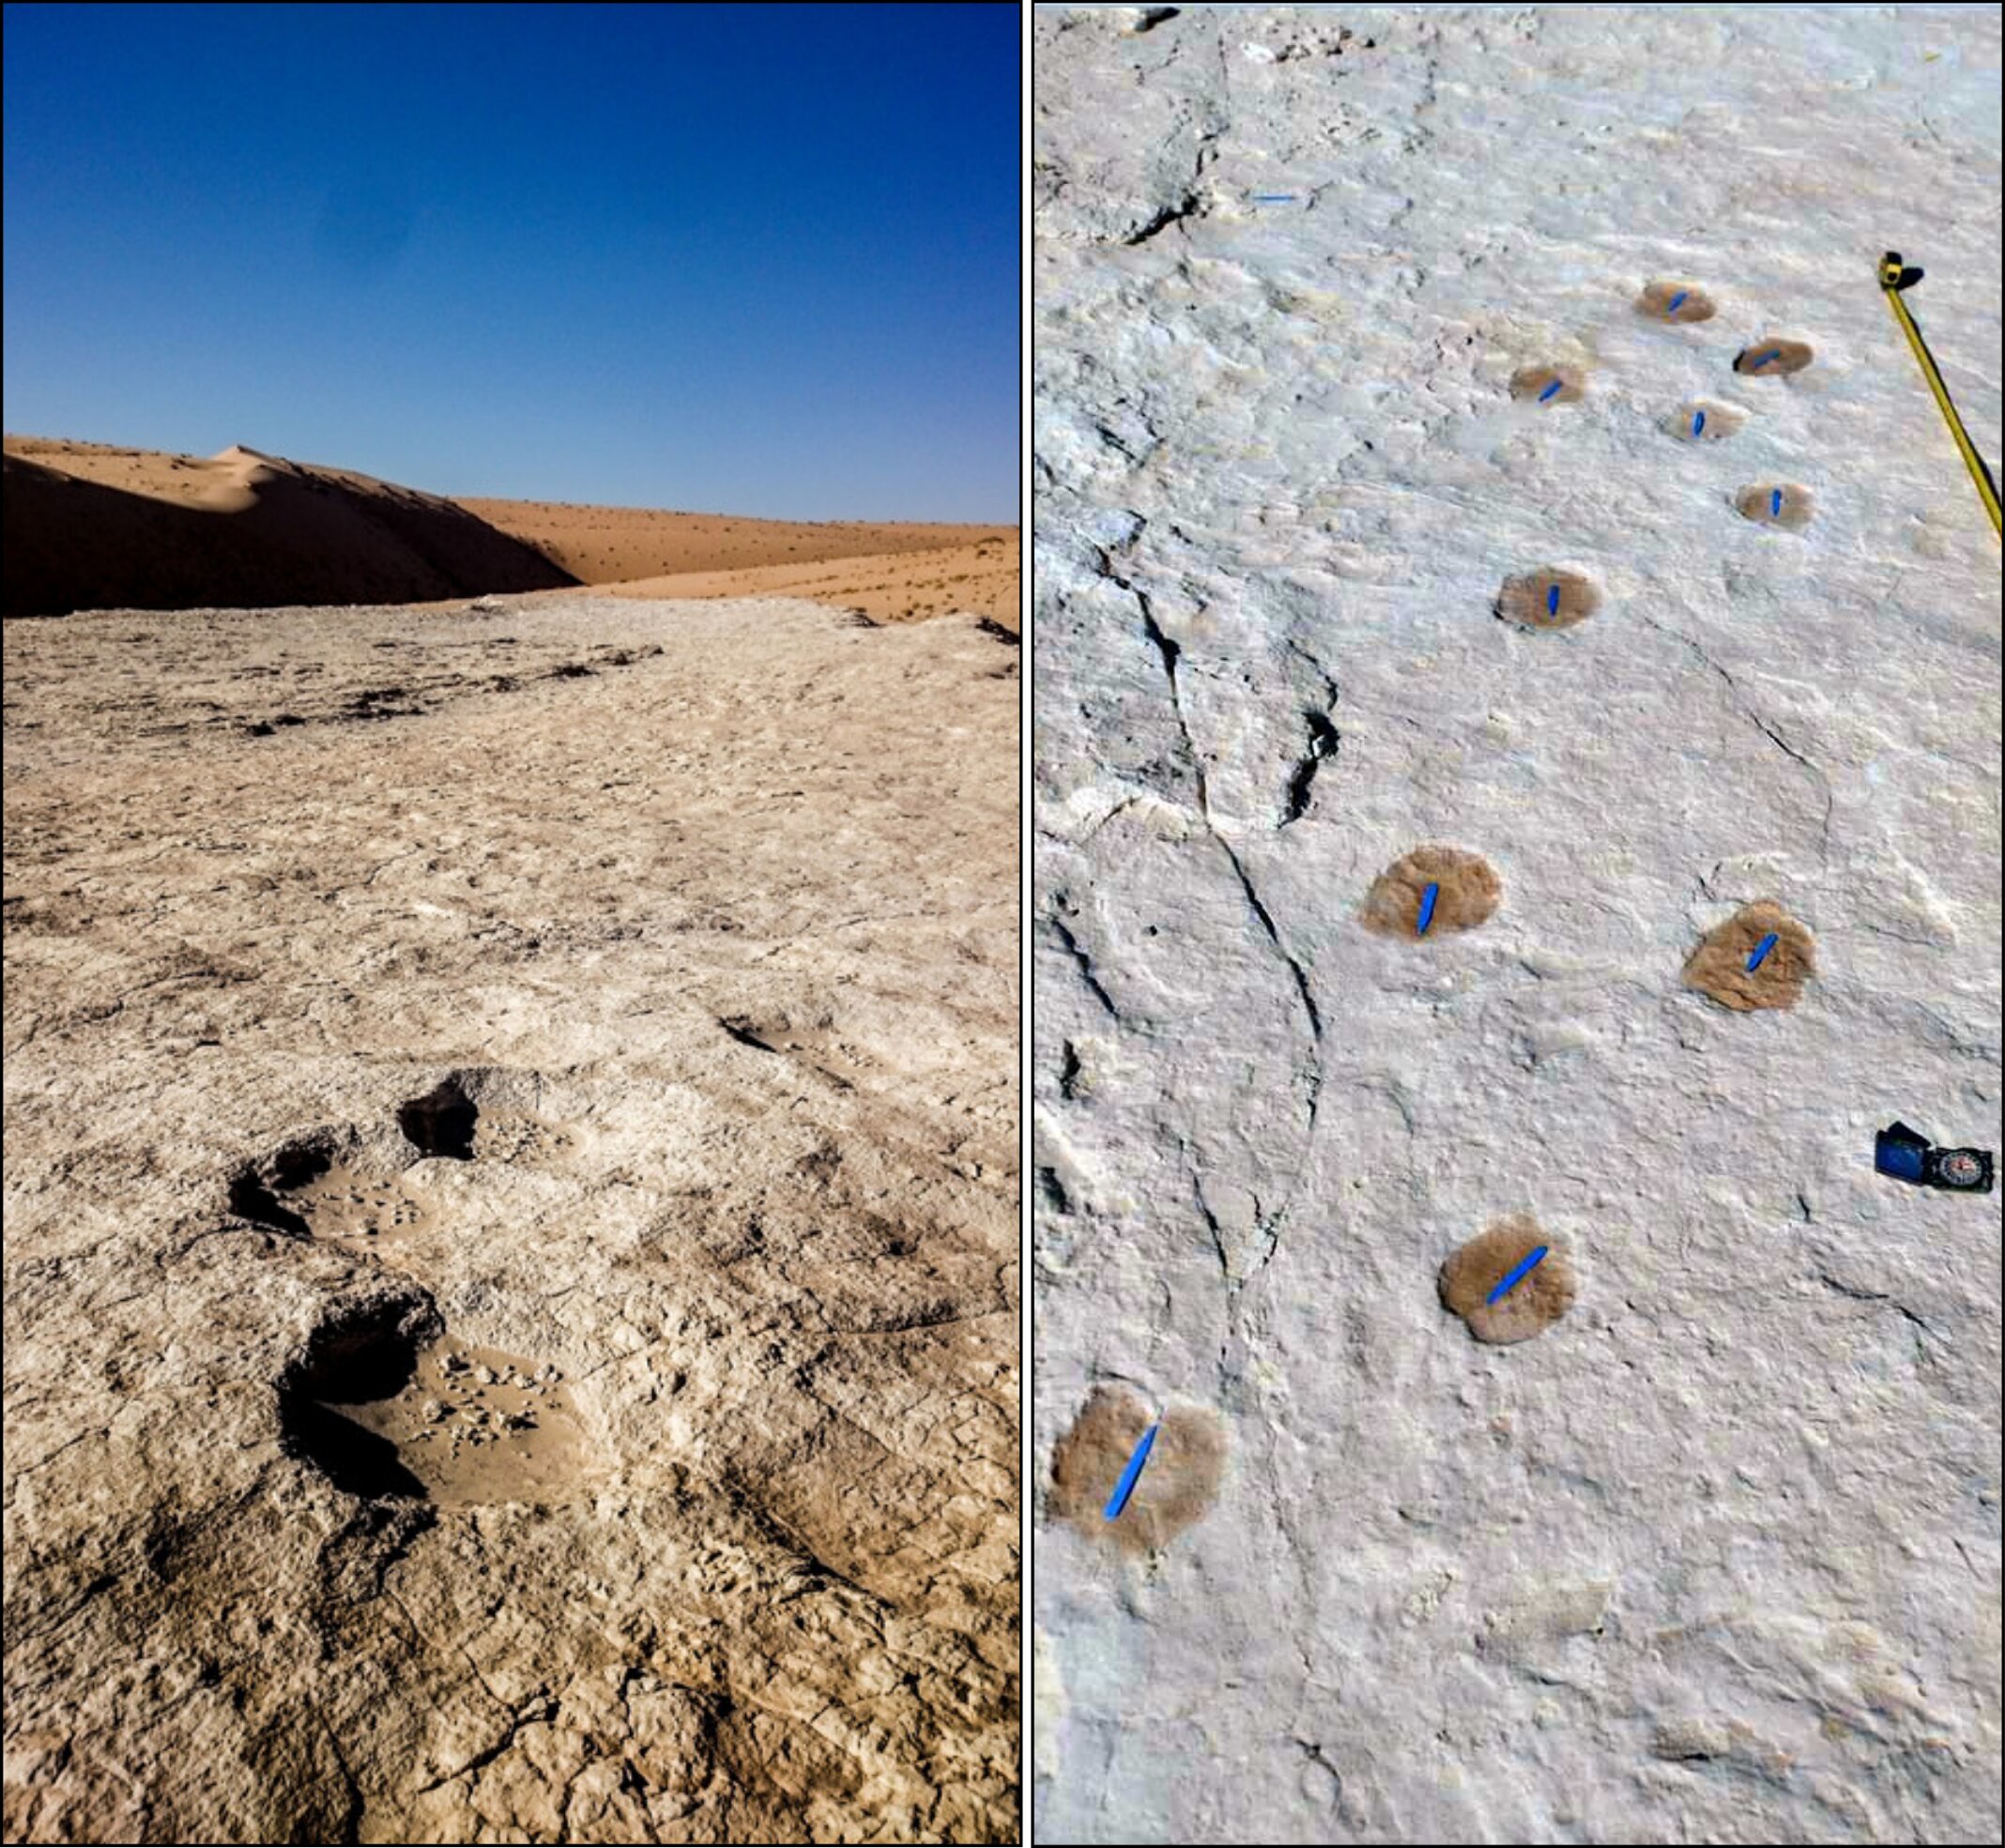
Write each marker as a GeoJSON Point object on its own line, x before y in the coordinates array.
{"type": "Point", "coordinates": [93, 526]}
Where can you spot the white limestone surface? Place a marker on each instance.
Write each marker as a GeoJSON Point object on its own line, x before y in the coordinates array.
{"type": "Point", "coordinates": [1716, 1556]}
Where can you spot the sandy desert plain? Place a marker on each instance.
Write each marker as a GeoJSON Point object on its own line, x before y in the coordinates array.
{"type": "Point", "coordinates": [511, 1127]}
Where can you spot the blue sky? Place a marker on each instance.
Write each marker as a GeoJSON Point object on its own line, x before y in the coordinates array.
{"type": "Point", "coordinates": [751, 259]}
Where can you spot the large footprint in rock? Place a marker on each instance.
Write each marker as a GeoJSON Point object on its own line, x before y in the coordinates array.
{"type": "Point", "coordinates": [478, 1426]}
{"type": "Point", "coordinates": [359, 1185]}
{"type": "Point", "coordinates": [520, 1139]}
{"type": "Point", "coordinates": [484, 1115]}
{"type": "Point", "coordinates": [385, 1404]}
{"type": "Point", "coordinates": [350, 1208]}
{"type": "Point", "coordinates": [327, 1186]}
{"type": "Point", "coordinates": [814, 1043]}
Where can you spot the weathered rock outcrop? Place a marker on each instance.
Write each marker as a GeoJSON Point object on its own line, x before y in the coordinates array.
{"type": "Point", "coordinates": [1716, 1556]}
{"type": "Point", "coordinates": [511, 1227]}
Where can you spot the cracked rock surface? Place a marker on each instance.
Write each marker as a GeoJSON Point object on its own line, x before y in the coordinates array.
{"type": "Point", "coordinates": [511, 1226]}
{"type": "Point", "coordinates": [1716, 1558]}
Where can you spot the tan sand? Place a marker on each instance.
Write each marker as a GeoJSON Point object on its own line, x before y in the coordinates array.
{"type": "Point", "coordinates": [1534, 381]}
{"type": "Point", "coordinates": [1470, 892]}
{"type": "Point", "coordinates": [1523, 599]}
{"type": "Point", "coordinates": [1178, 1484]}
{"type": "Point", "coordinates": [891, 573]}
{"type": "Point", "coordinates": [612, 544]}
{"type": "Point", "coordinates": [1758, 503]}
{"type": "Point", "coordinates": [1772, 359]}
{"type": "Point", "coordinates": [888, 586]}
{"type": "Point", "coordinates": [1694, 303]}
{"type": "Point", "coordinates": [1531, 1305]}
{"type": "Point", "coordinates": [1719, 964]}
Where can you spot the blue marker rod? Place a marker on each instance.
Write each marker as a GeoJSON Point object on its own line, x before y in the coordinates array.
{"type": "Point", "coordinates": [1698, 421]}
{"type": "Point", "coordinates": [1524, 1264]}
{"type": "Point", "coordinates": [1775, 504]}
{"type": "Point", "coordinates": [1426, 908]}
{"type": "Point", "coordinates": [1552, 600]}
{"type": "Point", "coordinates": [1126, 1487]}
{"type": "Point", "coordinates": [1766, 357]}
{"type": "Point", "coordinates": [1676, 300]}
{"type": "Point", "coordinates": [1549, 391]}
{"type": "Point", "coordinates": [1761, 950]}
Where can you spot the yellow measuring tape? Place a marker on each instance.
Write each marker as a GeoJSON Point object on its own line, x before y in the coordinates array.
{"type": "Point", "coordinates": [1893, 279]}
